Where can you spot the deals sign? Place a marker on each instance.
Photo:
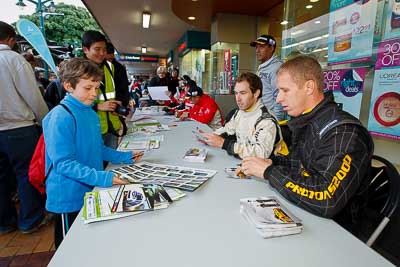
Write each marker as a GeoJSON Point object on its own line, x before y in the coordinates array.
{"type": "Point", "coordinates": [384, 115]}
{"type": "Point", "coordinates": [347, 86]}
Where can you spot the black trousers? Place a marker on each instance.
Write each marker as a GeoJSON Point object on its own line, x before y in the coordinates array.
{"type": "Point", "coordinates": [63, 223]}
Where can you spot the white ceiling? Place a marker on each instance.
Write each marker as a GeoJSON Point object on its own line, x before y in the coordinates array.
{"type": "Point", "coordinates": [121, 21]}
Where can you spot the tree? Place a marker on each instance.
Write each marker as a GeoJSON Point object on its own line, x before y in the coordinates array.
{"type": "Point", "coordinates": [67, 29]}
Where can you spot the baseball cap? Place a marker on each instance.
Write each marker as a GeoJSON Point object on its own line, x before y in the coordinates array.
{"type": "Point", "coordinates": [194, 91]}
{"type": "Point", "coordinates": [264, 40]}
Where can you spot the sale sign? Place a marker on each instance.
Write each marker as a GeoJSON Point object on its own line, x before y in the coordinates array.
{"type": "Point", "coordinates": [384, 115]}
{"type": "Point", "coordinates": [347, 86]}
{"type": "Point", "coordinates": [388, 54]}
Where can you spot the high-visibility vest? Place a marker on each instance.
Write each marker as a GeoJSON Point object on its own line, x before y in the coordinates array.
{"type": "Point", "coordinates": [110, 94]}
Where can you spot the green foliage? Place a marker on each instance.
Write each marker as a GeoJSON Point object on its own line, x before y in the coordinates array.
{"type": "Point", "coordinates": [66, 29]}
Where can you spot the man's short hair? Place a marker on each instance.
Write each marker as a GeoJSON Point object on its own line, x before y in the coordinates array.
{"type": "Point", "coordinates": [303, 69]}
{"type": "Point", "coordinates": [91, 37]}
{"type": "Point", "coordinates": [6, 31]}
{"type": "Point", "coordinates": [253, 80]}
{"type": "Point", "coordinates": [79, 68]}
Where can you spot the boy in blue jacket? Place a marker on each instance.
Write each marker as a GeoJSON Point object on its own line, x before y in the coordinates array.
{"type": "Point", "coordinates": [74, 147]}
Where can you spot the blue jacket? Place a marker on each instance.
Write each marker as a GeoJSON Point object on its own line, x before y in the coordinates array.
{"type": "Point", "coordinates": [76, 150]}
{"type": "Point", "coordinates": [267, 73]}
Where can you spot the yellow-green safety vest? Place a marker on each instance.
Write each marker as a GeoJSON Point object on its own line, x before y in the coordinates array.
{"type": "Point", "coordinates": [110, 93]}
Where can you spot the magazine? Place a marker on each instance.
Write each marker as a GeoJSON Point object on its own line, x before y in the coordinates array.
{"type": "Point", "coordinates": [195, 155]}
{"type": "Point", "coordinates": [269, 217]}
{"type": "Point", "coordinates": [99, 205]}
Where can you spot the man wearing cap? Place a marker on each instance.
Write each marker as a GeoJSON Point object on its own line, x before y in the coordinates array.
{"type": "Point", "coordinates": [204, 109]}
{"type": "Point", "coordinates": [252, 130]}
{"type": "Point", "coordinates": [265, 47]}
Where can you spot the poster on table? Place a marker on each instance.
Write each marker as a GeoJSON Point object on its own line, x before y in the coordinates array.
{"type": "Point", "coordinates": [347, 86]}
{"type": "Point", "coordinates": [384, 116]}
{"type": "Point", "coordinates": [392, 28]}
{"type": "Point", "coordinates": [351, 31]}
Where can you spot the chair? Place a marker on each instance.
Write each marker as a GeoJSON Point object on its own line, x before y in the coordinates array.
{"type": "Point", "coordinates": [383, 193]}
{"type": "Point", "coordinates": [376, 203]}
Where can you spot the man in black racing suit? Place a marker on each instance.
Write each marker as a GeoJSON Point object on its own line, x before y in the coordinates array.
{"type": "Point", "coordinates": [330, 153]}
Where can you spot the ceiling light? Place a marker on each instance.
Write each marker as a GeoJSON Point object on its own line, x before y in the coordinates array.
{"type": "Point", "coordinates": [317, 22]}
{"type": "Point", "coordinates": [191, 18]}
{"type": "Point", "coordinates": [144, 50]}
{"type": "Point", "coordinates": [309, 6]}
{"type": "Point", "coordinates": [146, 19]}
{"type": "Point", "coordinates": [314, 1]}
{"type": "Point", "coordinates": [284, 22]}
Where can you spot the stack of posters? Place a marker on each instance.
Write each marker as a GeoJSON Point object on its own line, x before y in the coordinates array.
{"type": "Point", "coordinates": [269, 217]}
{"type": "Point", "coordinates": [137, 145]}
{"type": "Point", "coordinates": [184, 178]}
{"type": "Point", "coordinates": [126, 200]}
{"type": "Point", "coordinates": [148, 127]}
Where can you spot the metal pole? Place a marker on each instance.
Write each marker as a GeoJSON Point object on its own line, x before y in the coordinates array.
{"type": "Point", "coordinates": [39, 7]}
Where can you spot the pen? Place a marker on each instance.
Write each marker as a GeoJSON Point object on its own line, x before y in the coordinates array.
{"type": "Point", "coordinates": [117, 198]}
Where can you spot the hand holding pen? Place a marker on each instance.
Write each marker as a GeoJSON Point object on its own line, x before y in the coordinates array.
{"type": "Point", "coordinates": [136, 156]}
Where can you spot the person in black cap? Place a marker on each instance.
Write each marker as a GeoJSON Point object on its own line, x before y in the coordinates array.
{"type": "Point", "coordinates": [265, 47]}
{"type": "Point", "coordinates": [204, 109]}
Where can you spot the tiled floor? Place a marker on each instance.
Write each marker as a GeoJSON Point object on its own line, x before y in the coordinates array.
{"type": "Point", "coordinates": [33, 250]}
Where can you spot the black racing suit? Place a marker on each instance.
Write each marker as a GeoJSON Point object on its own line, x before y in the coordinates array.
{"type": "Point", "coordinates": [329, 158]}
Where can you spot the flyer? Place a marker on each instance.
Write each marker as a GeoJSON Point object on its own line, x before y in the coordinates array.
{"type": "Point", "coordinates": [384, 115]}
{"type": "Point", "coordinates": [347, 86]}
{"type": "Point", "coordinates": [392, 28]}
{"type": "Point", "coordinates": [351, 31]}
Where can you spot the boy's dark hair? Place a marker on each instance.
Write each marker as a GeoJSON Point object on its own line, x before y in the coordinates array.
{"type": "Point", "coordinates": [91, 37]}
{"type": "Point", "coordinates": [79, 68]}
{"type": "Point", "coordinates": [6, 31]}
{"type": "Point", "coordinates": [253, 80]}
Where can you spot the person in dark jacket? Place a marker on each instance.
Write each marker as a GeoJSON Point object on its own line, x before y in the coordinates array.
{"type": "Point", "coordinates": [330, 153]}
{"type": "Point", "coordinates": [120, 77]}
{"type": "Point", "coordinates": [55, 92]}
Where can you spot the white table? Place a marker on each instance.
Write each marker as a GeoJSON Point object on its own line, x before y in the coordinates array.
{"type": "Point", "coordinates": [205, 228]}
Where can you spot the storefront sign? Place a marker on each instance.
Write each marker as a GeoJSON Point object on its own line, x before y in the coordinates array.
{"type": "Point", "coordinates": [384, 115]}
{"type": "Point", "coordinates": [193, 40]}
{"type": "Point", "coordinates": [227, 67]}
{"type": "Point", "coordinates": [137, 58]}
{"type": "Point", "coordinates": [347, 86]}
{"type": "Point", "coordinates": [351, 31]}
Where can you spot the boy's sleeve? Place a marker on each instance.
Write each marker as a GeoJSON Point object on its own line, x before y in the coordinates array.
{"type": "Point", "coordinates": [116, 157]}
{"type": "Point", "coordinates": [60, 147]}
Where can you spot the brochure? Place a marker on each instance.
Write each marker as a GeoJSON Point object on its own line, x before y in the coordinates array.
{"type": "Point", "coordinates": [135, 198]}
{"type": "Point", "coordinates": [195, 155]}
{"type": "Point", "coordinates": [269, 217]}
{"type": "Point", "coordinates": [102, 205]}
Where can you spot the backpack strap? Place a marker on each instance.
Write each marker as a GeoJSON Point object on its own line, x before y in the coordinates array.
{"type": "Point", "coordinates": [266, 115]}
{"type": "Point", "coordinates": [70, 112]}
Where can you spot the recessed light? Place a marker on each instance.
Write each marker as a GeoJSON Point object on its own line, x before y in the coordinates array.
{"type": "Point", "coordinates": [314, 1]}
{"type": "Point", "coordinates": [191, 18]}
{"type": "Point", "coordinates": [309, 6]}
{"type": "Point", "coordinates": [144, 50]}
{"type": "Point", "coordinates": [284, 22]}
{"type": "Point", "coordinates": [317, 22]}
